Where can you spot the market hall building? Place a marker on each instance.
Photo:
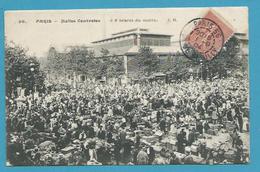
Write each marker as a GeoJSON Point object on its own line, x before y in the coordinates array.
{"type": "Point", "coordinates": [127, 43]}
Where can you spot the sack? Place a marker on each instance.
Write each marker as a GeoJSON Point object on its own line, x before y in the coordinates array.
{"type": "Point", "coordinates": [212, 132]}
{"type": "Point", "coordinates": [194, 148]}
{"type": "Point", "coordinates": [229, 155]}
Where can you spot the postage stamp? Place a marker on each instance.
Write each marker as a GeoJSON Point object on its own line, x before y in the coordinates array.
{"type": "Point", "coordinates": [204, 36]}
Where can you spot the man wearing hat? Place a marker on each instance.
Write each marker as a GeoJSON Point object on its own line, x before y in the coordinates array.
{"type": "Point", "coordinates": [142, 157]}
{"type": "Point", "coordinates": [151, 154]}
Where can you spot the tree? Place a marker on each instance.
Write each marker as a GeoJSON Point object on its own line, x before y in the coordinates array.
{"type": "Point", "coordinates": [227, 60]}
{"type": "Point", "coordinates": [78, 59]}
{"type": "Point", "coordinates": [109, 67]}
{"type": "Point", "coordinates": [115, 67]}
{"type": "Point", "coordinates": [18, 71]}
{"type": "Point", "coordinates": [147, 61]}
{"type": "Point", "coordinates": [55, 61]}
{"type": "Point", "coordinates": [81, 60]}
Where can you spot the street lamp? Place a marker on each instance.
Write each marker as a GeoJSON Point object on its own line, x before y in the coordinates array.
{"type": "Point", "coordinates": [201, 68]}
{"type": "Point", "coordinates": [32, 69]}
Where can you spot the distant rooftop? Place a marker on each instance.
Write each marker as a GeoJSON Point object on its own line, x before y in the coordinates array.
{"type": "Point", "coordinates": [130, 31]}
{"type": "Point", "coordinates": [135, 31]}
{"type": "Point", "coordinates": [241, 36]}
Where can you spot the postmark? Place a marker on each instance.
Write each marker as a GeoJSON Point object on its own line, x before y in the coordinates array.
{"type": "Point", "coordinates": [201, 39]}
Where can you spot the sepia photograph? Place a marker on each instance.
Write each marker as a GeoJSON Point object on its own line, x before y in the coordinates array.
{"type": "Point", "coordinates": [147, 86]}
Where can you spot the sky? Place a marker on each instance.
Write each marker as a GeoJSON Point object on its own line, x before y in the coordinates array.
{"type": "Point", "coordinates": [27, 28]}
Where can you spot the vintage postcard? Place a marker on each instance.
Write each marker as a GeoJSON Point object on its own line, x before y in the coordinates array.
{"type": "Point", "coordinates": [127, 86]}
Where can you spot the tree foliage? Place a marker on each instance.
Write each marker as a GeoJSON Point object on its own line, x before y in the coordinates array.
{"type": "Point", "coordinates": [83, 61]}
{"type": "Point", "coordinates": [148, 62]}
{"type": "Point", "coordinates": [18, 71]}
{"type": "Point", "coordinates": [228, 60]}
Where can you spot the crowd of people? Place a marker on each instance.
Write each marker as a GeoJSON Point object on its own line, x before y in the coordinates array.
{"type": "Point", "coordinates": [107, 124]}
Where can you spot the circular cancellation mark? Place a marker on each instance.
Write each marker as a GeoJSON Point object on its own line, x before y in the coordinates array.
{"type": "Point", "coordinates": [201, 39]}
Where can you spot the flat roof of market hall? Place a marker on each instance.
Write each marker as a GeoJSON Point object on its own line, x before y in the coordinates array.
{"type": "Point", "coordinates": [135, 31]}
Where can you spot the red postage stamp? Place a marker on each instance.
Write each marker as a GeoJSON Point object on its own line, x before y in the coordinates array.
{"type": "Point", "coordinates": [206, 35]}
